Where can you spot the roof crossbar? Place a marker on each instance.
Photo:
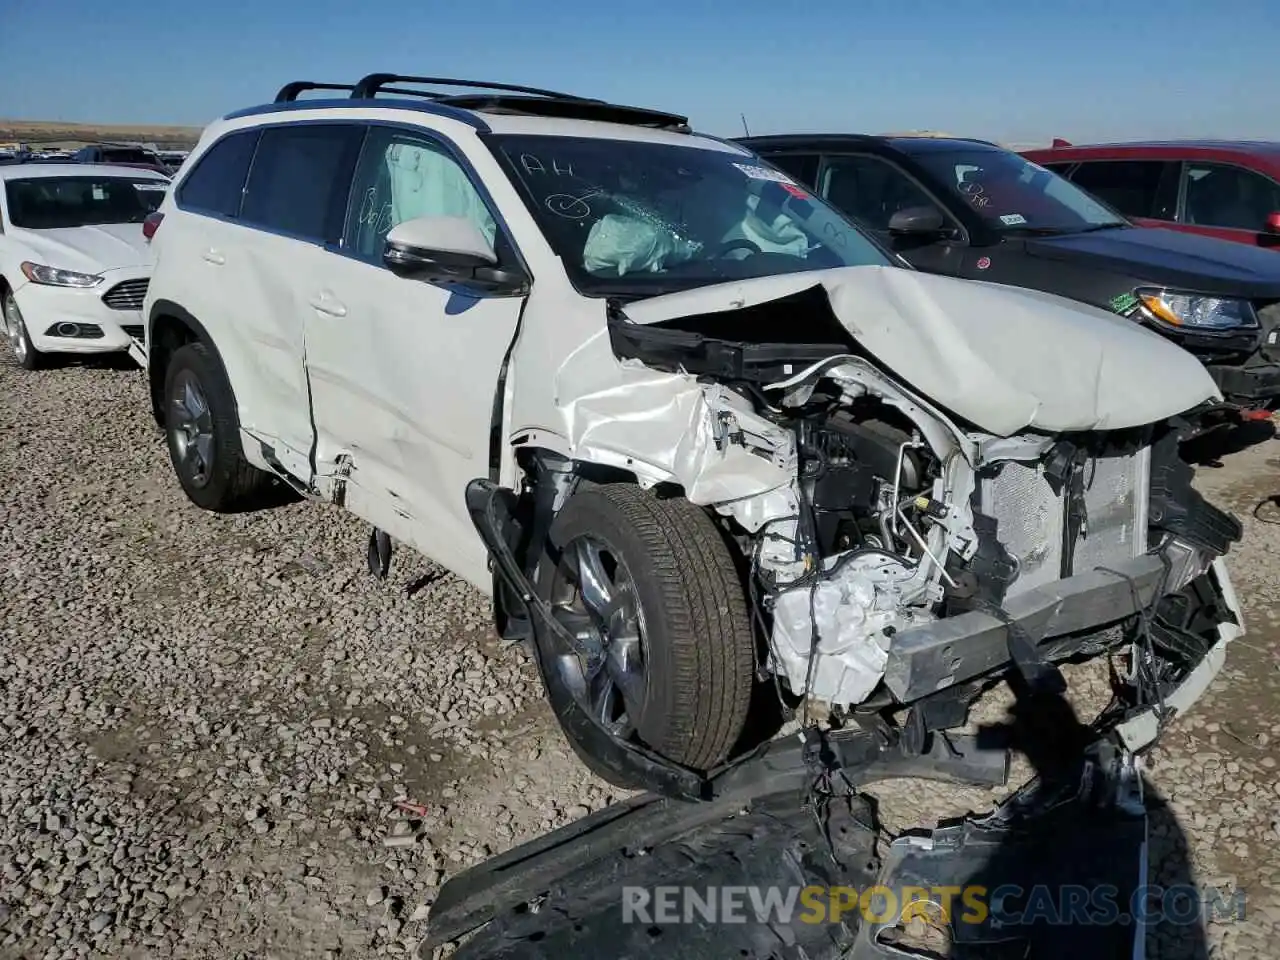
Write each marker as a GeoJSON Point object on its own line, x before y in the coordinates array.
{"type": "Point", "coordinates": [369, 86]}
{"type": "Point", "coordinates": [289, 92]}
{"type": "Point", "coordinates": [495, 98]}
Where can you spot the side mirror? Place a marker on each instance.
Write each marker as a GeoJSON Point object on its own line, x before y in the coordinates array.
{"type": "Point", "coordinates": [448, 250]}
{"type": "Point", "coordinates": [1272, 225]}
{"type": "Point", "coordinates": [917, 221]}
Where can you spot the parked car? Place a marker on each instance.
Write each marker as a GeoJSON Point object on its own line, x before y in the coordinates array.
{"type": "Point", "coordinates": [1219, 188]}
{"type": "Point", "coordinates": [677, 416]}
{"type": "Point", "coordinates": [125, 156]}
{"type": "Point", "coordinates": [74, 262]}
{"type": "Point", "coordinates": [967, 208]}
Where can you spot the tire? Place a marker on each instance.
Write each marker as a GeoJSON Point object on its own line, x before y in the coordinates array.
{"type": "Point", "coordinates": [222, 480]}
{"type": "Point", "coordinates": [15, 329]}
{"type": "Point", "coordinates": [695, 628]}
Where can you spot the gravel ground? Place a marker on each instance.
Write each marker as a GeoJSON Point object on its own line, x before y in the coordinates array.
{"type": "Point", "coordinates": [220, 738]}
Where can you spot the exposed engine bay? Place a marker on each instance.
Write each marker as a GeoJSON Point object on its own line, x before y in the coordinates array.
{"type": "Point", "coordinates": [888, 569]}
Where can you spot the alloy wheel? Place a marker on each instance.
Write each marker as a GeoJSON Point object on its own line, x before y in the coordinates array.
{"type": "Point", "coordinates": [191, 428]}
{"type": "Point", "coordinates": [594, 599]}
{"type": "Point", "coordinates": [15, 328]}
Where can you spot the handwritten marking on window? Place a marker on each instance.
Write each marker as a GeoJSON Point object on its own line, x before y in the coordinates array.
{"type": "Point", "coordinates": [570, 207]}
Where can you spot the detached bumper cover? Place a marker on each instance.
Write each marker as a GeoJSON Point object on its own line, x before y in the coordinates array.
{"type": "Point", "coordinates": [619, 882]}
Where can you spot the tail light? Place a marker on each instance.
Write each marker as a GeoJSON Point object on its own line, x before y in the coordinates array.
{"type": "Point", "coordinates": [151, 224]}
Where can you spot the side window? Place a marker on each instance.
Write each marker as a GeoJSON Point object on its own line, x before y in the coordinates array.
{"type": "Point", "coordinates": [802, 166]}
{"type": "Point", "coordinates": [1060, 168]}
{"type": "Point", "coordinates": [300, 177]}
{"type": "Point", "coordinates": [1219, 195]}
{"type": "Point", "coordinates": [402, 175]}
{"type": "Point", "coordinates": [1131, 186]}
{"type": "Point", "coordinates": [216, 182]}
{"type": "Point", "coordinates": [870, 189]}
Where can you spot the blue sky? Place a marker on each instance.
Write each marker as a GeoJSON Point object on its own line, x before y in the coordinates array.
{"type": "Point", "coordinates": [1020, 71]}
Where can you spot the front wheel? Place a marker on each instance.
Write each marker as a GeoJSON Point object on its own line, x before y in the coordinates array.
{"type": "Point", "coordinates": [15, 329]}
{"type": "Point", "coordinates": [664, 652]}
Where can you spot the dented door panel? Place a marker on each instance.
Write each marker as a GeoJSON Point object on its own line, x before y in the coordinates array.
{"type": "Point", "coordinates": [402, 385]}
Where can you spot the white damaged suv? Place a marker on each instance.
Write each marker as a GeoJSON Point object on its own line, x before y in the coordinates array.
{"type": "Point", "coordinates": [697, 435]}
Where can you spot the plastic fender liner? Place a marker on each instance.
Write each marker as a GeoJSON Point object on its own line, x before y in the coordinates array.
{"type": "Point", "coordinates": [492, 508]}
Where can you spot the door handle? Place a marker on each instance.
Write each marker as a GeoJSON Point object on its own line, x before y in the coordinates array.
{"type": "Point", "coordinates": [214, 256]}
{"type": "Point", "coordinates": [326, 304]}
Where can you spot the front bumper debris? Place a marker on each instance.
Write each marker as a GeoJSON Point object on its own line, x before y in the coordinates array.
{"type": "Point", "coordinates": [619, 882]}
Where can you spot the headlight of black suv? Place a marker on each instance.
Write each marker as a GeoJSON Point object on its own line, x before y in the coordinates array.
{"type": "Point", "coordinates": [1198, 312]}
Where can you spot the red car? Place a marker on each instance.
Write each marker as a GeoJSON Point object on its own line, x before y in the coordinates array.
{"type": "Point", "coordinates": [1220, 188]}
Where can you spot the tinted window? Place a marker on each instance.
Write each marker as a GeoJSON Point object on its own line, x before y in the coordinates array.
{"type": "Point", "coordinates": [300, 177]}
{"type": "Point", "coordinates": [1131, 186]}
{"type": "Point", "coordinates": [217, 181]}
{"type": "Point", "coordinates": [646, 218]}
{"type": "Point", "coordinates": [802, 166]}
{"type": "Point", "coordinates": [870, 190]}
{"type": "Point", "coordinates": [402, 176]}
{"type": "Point", "coordinates": [128, 155]}
{"type": "Point", "coordinates": [1218, 195]}
{"type": "Point", "coordinates": [51, 203]}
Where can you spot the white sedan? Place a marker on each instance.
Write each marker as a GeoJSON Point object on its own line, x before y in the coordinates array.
{"type": "Point", "coordinates": [74, 259]}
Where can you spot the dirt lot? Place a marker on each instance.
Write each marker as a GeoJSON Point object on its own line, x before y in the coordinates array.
{"type": "Point", "coordinates": [205, 721]}
{"type": "Point", "coordinates": [39, 132]}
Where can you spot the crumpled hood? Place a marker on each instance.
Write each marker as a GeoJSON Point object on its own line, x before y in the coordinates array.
{"type": "Point", "coordinates": [1169, 258]}
{"type": "Point", "coordinates": [1004, 358]}
{"type": "Point", "coordinates": [91, 249]}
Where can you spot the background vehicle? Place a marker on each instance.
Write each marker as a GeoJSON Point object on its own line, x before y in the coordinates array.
{"type": "Point", "coordinates": [635, 385]}
{"type": "Point", "coordinates": [1217, 188]}
{"type": "Point", "coordinates": [122, 155]}
{"type": "Point", "coordinates": [73, 259]}
{"type": "Point", "coordinates": [972, 209]}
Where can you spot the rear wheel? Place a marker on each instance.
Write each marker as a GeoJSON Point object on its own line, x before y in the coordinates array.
{"type": "Point", "coordinates": [663, 651]}
{"type": "Point", "coordinates": [204, 433]}
{"type": "Point", "coordinates": [15, 329]}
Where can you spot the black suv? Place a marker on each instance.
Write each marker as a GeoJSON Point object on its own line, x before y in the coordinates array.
{"type": "Point", "coordinates": [972, 209]}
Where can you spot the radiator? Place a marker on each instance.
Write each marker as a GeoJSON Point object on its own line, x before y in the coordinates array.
{"type": "Point", "coordinates": [1031, 520]}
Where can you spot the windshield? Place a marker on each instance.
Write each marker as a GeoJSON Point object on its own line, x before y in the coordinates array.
{"type": "Point", "coordinates": [647, 218]}
{"type": "Point", "coordinates": [52, 203]}
{"type": "Point", "coordinates": [1013, 194]}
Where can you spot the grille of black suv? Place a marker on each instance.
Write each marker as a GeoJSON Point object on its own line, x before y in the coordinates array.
{"type": "Point", "coordinates": [127, 295]}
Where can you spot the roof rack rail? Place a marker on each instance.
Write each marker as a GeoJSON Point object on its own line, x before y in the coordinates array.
{"type": "Point", "coordinates": [289, 92]}
{"type": "Point", "coordinates": [369, 86]}
{"type": "Point", "coordinates": [511, 98]}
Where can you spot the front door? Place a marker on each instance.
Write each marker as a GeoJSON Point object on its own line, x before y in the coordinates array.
{"type": "Point", "coordinates": [1230, 202]}
{"type": "Point", "coordinates": [403, 373]}
{"type": "Point", "coordinates": [871, 190]}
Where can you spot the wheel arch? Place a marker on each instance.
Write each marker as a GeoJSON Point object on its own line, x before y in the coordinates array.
{"type": "Point", "coordinates": [170, 326]}
{"type": "Point", "coordinates": [548, 478]}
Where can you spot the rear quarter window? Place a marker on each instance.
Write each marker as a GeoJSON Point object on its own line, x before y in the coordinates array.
{"type": "Point", "coordinates": [216, 182]}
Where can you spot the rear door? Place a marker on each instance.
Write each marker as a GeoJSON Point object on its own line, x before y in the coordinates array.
{"type": "Point", "coordinates": [872, 189]}
{"type": "Point", "coordinates": [1228, 201]}
{"type": "Point", "coordinates": [404, 373]}
{"type": "Point", "coordinates": [294, 205]}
